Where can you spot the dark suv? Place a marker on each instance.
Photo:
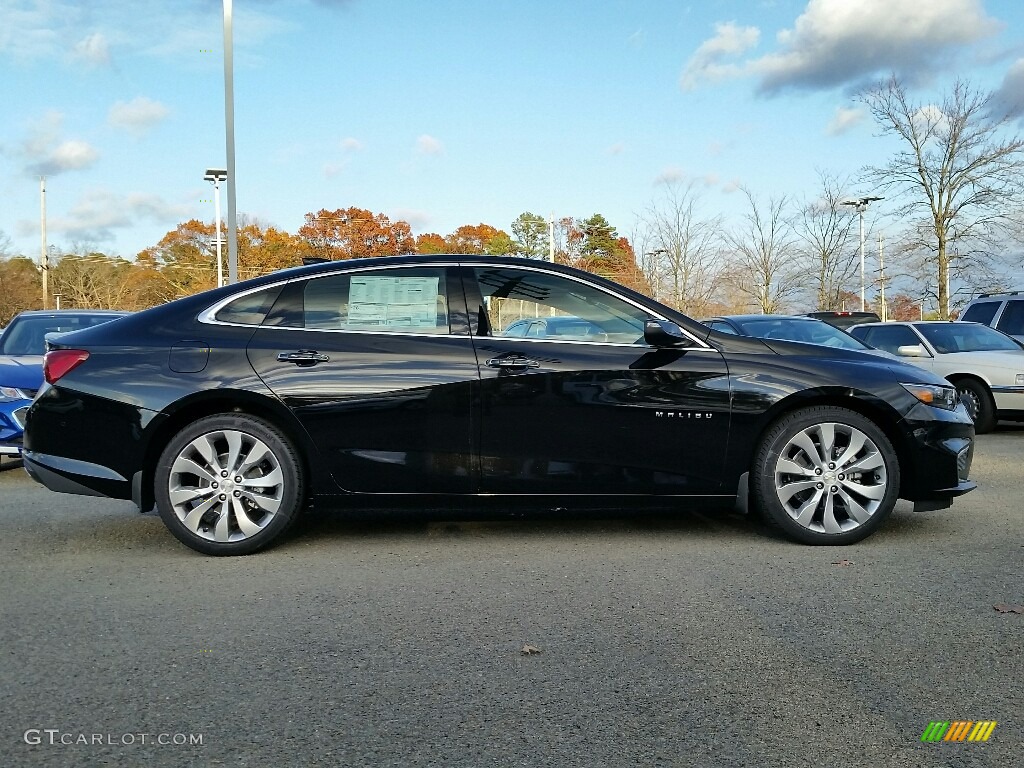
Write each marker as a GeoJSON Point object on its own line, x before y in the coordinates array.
{"type": "Point", "coordinates": [1002, 311]}
{"type": "Point", "coordinates": [844, 320]}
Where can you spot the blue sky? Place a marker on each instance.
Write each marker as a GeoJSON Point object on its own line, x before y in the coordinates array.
{"type": "Point", "coordinates": [453, 112]}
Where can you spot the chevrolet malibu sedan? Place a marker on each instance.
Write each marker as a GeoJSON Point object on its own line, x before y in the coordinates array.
{"type": "Point", "coordinates": [355, 384]}
{"type": "Point", "coordinates": [985, 365]}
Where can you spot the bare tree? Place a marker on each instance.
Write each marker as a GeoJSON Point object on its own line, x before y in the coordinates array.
{"type": "Point", "coordinates": [763, 248]}
{"type": "Point", "coordinates": [828, 253]}
{"type": "Point", "coordinates": [959, 176]}
{"type": "Point", "coordinates": [682, 249]}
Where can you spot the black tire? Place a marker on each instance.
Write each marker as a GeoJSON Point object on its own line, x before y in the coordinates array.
{"type": "Point", "coordinates": [979, 404]}
{"type": "Point", "coordinates": [221, 512]}
{"type": "Point", "coordinates": [838, 496]}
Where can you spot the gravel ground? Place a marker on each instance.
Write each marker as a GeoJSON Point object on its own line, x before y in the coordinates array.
{"type": "Point", "coordinates": [689, 640]}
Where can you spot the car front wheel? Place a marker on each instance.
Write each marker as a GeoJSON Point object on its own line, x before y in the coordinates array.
{"type": "Point", "coordinates": [825, 475]}
{"type": "Point", "coordinates": [229, 484]}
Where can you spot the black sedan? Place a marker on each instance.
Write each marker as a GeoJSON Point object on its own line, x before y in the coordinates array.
{"type": "Point", "coordinates": [347, 383]}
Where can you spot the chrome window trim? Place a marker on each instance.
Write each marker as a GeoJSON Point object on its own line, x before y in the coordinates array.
{"type": "Point", "coordinates": [208, 315]}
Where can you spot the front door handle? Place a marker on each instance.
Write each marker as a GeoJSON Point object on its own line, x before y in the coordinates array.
{"type": "Point", "coordinates": [302, 357]}
{"type": "Point", "coordinates": [512, 361]}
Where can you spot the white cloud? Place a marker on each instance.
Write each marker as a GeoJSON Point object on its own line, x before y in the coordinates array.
{"type": "Point", "coordinates": [616, 149]}
{"type": "Point", "coordinates": [95, 217]}
{"type": "Point", "coordinates": [351, 145]}
{"type": "Point", "coordinates": [706, 64]}
{"type": "Point", "coordinates": [71, 155]}
{"type": "Point", "coordinates": [417, 220]}
{"type": "Point", "coordinates": [670, 175]}
{"type": "Point", "coordinates": [428, 145]}
{"type": "Point", "coordinates": [1009, 97]}
{"type": "Point", "coordinates": [841, 43]}
{"type": "Point", "coordinates": [138, 115]}
{"type": "Point", "coordinates": [93, 50]}
{"type": "Point", "coordinates": [844, 119]}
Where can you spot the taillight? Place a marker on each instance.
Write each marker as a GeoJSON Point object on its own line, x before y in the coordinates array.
{"type": "Point", "coordinates": [59, 362]}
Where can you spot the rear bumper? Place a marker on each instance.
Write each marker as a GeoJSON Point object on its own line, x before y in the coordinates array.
{"type": "Point", "coordinates": [72, 476]}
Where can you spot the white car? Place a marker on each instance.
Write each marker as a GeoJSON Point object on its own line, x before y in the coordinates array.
{"type": "Point", "coordinates": [985, 366]}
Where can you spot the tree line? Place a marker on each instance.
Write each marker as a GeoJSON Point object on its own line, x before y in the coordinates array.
{"type": "Point", "coordinates": [954, 192]}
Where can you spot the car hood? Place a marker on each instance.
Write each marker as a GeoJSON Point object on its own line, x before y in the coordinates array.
{"type": "Point", "coordinates": [21, 371]}
{"type": "Point", "coordinates": [1007, 360]}
{"type": "Point", "coordinates": [820, 350]}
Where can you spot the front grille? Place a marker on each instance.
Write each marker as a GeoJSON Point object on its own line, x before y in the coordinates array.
{"type": "Point", "coordinates": [19, 416]}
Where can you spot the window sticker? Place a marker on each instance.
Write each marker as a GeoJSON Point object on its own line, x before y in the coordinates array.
{"type": "Point", "coordinates": [406, 302]}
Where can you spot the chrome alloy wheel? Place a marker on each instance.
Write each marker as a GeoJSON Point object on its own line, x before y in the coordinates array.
{"type": "Point", "coordinates": [225, 486]}
{"type": "Point", "coordinates": [830, 478]}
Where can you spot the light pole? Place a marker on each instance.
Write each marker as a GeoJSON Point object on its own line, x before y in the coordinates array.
{"type": "Point", "coordinates": [861, 205]}
{"type": "Point", "coordinates": [217, 175]}
{"type": "Point", "coordinates": [44, 262]}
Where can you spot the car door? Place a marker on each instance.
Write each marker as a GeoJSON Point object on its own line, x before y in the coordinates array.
{"type": "Point", "coordinates": [378, 367]}
{"type": "Point", "coordinates": [603, 413]}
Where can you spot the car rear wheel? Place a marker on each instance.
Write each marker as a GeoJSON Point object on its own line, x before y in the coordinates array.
{"type": "Point", "coordinates": [825, 475]}
{"type": "Point", "coordinates": [229, 484]}
{"type": "Point", "coordinates": [979, 404]}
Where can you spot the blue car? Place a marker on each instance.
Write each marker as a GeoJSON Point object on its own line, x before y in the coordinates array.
{"type": "Point", "coordinates": [22, 344]}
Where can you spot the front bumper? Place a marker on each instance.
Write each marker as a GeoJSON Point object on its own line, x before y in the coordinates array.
{"type": "Point", "coordinates": [12, 426]}
{"type": "Point", "coordinates": [938, 458]}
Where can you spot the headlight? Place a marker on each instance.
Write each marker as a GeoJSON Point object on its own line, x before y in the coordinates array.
{"type": "Point", "coordinates": [934, 394]}
{"type": "Point", "coordinates": [1019, 379]}
{"type": "Point", "coordinates": [10, 393]}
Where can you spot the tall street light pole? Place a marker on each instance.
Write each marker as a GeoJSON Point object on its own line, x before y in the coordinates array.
{"type": "Point", "coordinates": [44, 261]}
{"type": "Point", "coordinates": [861, 205]}
{"type": "Point", "coordinates": [229, 131]}
{"type": "Point", "coordinates": [217, 175]}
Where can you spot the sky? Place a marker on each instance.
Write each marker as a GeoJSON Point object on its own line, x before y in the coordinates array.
{"type": "Point", "coordinates": [453, 112]}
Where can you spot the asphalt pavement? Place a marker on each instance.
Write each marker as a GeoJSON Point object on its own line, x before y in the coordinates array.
{"type": "Point", "coordinates": [652, 639]}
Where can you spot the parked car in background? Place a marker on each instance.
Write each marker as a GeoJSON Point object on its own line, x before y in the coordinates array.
{"type": "Point", "coordinates": [986, 366]}
{"type": "Point", "coordinates": [22, 345]}
{"type": "Point", "coordinates": [789, 328]}
{"type": "Point", "coordinates": [387, 381]}
{"type": "Point", "coordinates": [560, 326]}
{"type": "Point", "coordinates": [1002, 311]}
{"type": "Point", "coordinates": [844, 319]}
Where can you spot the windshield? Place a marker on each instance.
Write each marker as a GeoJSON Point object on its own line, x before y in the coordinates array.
{"type": "Point", "coordinates": [795, 329]}
{"type": "Point", "coordinates": [26, 335]}
{"type": "Point", "coordinates": [966, 337]}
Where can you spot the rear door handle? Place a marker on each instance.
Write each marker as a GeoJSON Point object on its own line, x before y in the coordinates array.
{"type": "Point", "coordinates": [302, 357]}
{"type": "Point", "coordinates": [512, 361]}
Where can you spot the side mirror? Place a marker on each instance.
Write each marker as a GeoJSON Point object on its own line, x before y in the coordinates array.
{"type": "Point", "coordinates": [912, 350]}
{"type": "Point", "coordinates": [664, 333]}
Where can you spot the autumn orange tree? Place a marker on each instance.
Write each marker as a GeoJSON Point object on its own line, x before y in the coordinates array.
{"type": "Point", "coordinates": [20, 287]}
{"type": "Point", "coordinates": [350, 233]}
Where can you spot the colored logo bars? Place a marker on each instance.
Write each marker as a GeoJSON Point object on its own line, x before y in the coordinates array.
{"type": "Point", "coordinates": [959, 730]}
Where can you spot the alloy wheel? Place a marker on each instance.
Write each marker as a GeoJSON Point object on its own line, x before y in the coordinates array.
{"type": "Point", "coordinates": [830, 478]}
{"type": "Point", "coordinates": [226, 486]}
